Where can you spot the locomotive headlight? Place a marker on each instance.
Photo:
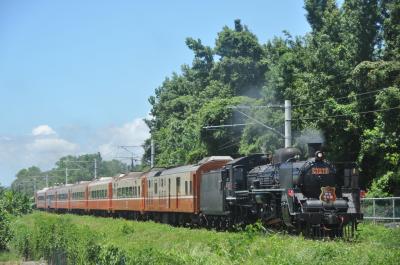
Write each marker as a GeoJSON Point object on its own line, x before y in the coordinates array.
{"type": "Point", "coordinates": [319, 155]}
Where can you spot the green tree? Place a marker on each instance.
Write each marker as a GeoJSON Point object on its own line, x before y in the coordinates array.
{"type": "Point", "coordinates": [390, 10]}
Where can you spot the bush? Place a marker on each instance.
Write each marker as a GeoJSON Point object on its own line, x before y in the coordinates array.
{"type": "Point", "coordinates": [5, 228]}
{"type": "Point", "coordinates": [15, 203]}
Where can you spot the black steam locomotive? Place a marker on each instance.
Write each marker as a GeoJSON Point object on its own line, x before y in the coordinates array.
{"type": "Point", "coordinates": [309, 196]}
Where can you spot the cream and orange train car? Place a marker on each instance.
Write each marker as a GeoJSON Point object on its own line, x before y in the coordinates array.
{"type": "Point", "coordinates": [40, 199]}
{"type": "Point", "coordinates": [62, 198]}
{"type": "Point", "coordinates": [51, 198]}
{"type": "Point", "coordinates": [126, 197]}
{"type": "Point", "coordinates": [173, 195]}
{"type": "Point", "coordinates": [79, 197]}
{"type": "Point", "coordinates": [99, 196]}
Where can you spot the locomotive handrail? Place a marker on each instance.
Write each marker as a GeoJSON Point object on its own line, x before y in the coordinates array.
{"type": "Point", "coordinates": [257, 190]}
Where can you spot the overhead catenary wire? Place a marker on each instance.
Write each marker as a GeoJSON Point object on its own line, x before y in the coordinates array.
{"type": "Point", "coordinates": [213, 127]}
{"type": "Point", "coordinates": [346, 115]}
{"type": "Point", "coordinates": [339, 98]}
{"type": "Point", "coordinates": [310, 103]}
{"type": "Point", "coordinates": [269, 106]}
{"type": "Point", "coordinates": [259, 122]}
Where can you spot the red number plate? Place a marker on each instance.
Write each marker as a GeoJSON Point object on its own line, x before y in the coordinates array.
{"type": "Point", "coordinates": [320, 170]}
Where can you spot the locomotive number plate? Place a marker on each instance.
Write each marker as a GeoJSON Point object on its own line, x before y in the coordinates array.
{"type": "Point", "coordinates": [320, 170]}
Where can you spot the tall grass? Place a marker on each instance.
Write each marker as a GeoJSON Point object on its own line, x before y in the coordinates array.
{"type": "Point", "coordinates": [70, 239]}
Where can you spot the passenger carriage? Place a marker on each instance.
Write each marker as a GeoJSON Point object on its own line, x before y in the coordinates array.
{"type": "Point", "coordinates": [127, 192]}
{"type": "Point", "coordinates": [40, 199]}
{"type": "Point", "coordinates": [99, 195]}
{"type": "Point", "coordinates": [63, 203]}
{"type": "Point", "coordinates": [177, 190]}
{"type": "Point", "coordinates": [51, 198]}
{"type": "Point", "coordinates": [79, 196]}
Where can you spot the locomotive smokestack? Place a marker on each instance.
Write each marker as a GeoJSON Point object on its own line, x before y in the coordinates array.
{"type": "Point", "coordinates": [313, 147]}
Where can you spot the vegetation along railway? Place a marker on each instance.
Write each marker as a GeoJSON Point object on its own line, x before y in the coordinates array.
{"type": "Point", "coordinates": [308, 196]}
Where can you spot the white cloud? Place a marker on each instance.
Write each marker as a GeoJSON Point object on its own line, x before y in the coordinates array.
{"type": "Point", "coordinates": [131, 133]}
{"type": "Point", "coordinates": [5, 138]}
{"type": "Point", "coordinates": [43, 130]}
{"type": "Point", "coordinates": [44, 146]}
{"type": "Point", "coordinates": [52, 145]}
{"type": "Point", "coordinates": [44, 152]}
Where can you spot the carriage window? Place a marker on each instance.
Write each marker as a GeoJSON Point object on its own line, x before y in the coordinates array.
{"type": "Point", "coordinates": [190, 188]}
{"type": "Point", "coordinates": [155, 188]}
{"type": "Point", "coordinates": [186, 187]}
{"type": "Point", "coordinates": [139, 191]}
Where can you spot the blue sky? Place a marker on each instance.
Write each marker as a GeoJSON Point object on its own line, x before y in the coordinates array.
{"type": "Point", "coordinates": [75, 76]}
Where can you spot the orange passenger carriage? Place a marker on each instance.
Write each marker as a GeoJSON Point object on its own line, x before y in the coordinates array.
{"type": "Point", "coordinates": [51, 198]}
{"type": "Point", "coordinates": [127, 192]}
{"type": "Point", "coordinates": [177, 190]}
{"type": "Point", "coordinates": [99, 195]}
{"type": "Point", "coordinates": [40, 199]}
{"type": "Point", "coordinates": [79, 196]}
{"type": "Point", "coordinates": [63, 198]}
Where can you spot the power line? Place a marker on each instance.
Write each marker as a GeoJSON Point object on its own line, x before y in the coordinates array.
{"type": "Point", "coordinates": [347, 115]}
{"type": "Point", "coordinates": [310, 103]}
{"type": "Point", "coordinates": [226, 125]}
{"type": "Point", "coordinates": [259, 122]}
{"type": "Point", "coordinates": [269, 106]}
{"type": "Point", "coordinates": [339, 98]}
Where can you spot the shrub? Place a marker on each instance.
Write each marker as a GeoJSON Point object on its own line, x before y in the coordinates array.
{"type": "Point", "coordinates": [5, 228]}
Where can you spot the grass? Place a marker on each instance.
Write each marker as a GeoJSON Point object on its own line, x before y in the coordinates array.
{"type": "Point", "coordinates": [92, 240]}
{"type": "Point", "coordinates": [10, 256]}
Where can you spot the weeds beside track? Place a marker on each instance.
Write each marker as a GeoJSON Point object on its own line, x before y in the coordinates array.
{"type": "Point", "coordinates": [90, 240]}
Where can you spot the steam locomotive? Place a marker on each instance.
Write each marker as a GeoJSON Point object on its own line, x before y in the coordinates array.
{"type": "Point", "coordinates": [308, 196]}
{"type": "Point", "coordinates": [219, 192]}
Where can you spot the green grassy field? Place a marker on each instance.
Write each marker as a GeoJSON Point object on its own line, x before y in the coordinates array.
{"type": "Point", "coordinates": [91, 240]}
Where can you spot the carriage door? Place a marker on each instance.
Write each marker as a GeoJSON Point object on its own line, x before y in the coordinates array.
{"type": "Point", "coordinates": [144, 194]}
{"type": "Point", "coordinates": [178, 191]}
{"type": "Point", "coordinates": [169, 193]}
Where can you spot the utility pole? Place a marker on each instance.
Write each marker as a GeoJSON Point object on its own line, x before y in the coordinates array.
{"type": "Point", "coordinates": [288, 123]}
{"type": "Point", "coordinates": [66, 175]}
{"type": "Point", "coordinates": [152, 154]}
{"type": "Point", "coordinates": [132, 157]}
{"type": "Point", "coordinates": [95, 168]}
{"type": "Point", "coordinates": [47, 180]}
{"type": "Point", "coordinates": [288, 120]}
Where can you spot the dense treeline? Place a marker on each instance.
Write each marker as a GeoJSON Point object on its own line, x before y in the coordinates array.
{"type": "Point", "coordinates": [79, 168]}
{"type": "Point", "coordinates": [343, 78]}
